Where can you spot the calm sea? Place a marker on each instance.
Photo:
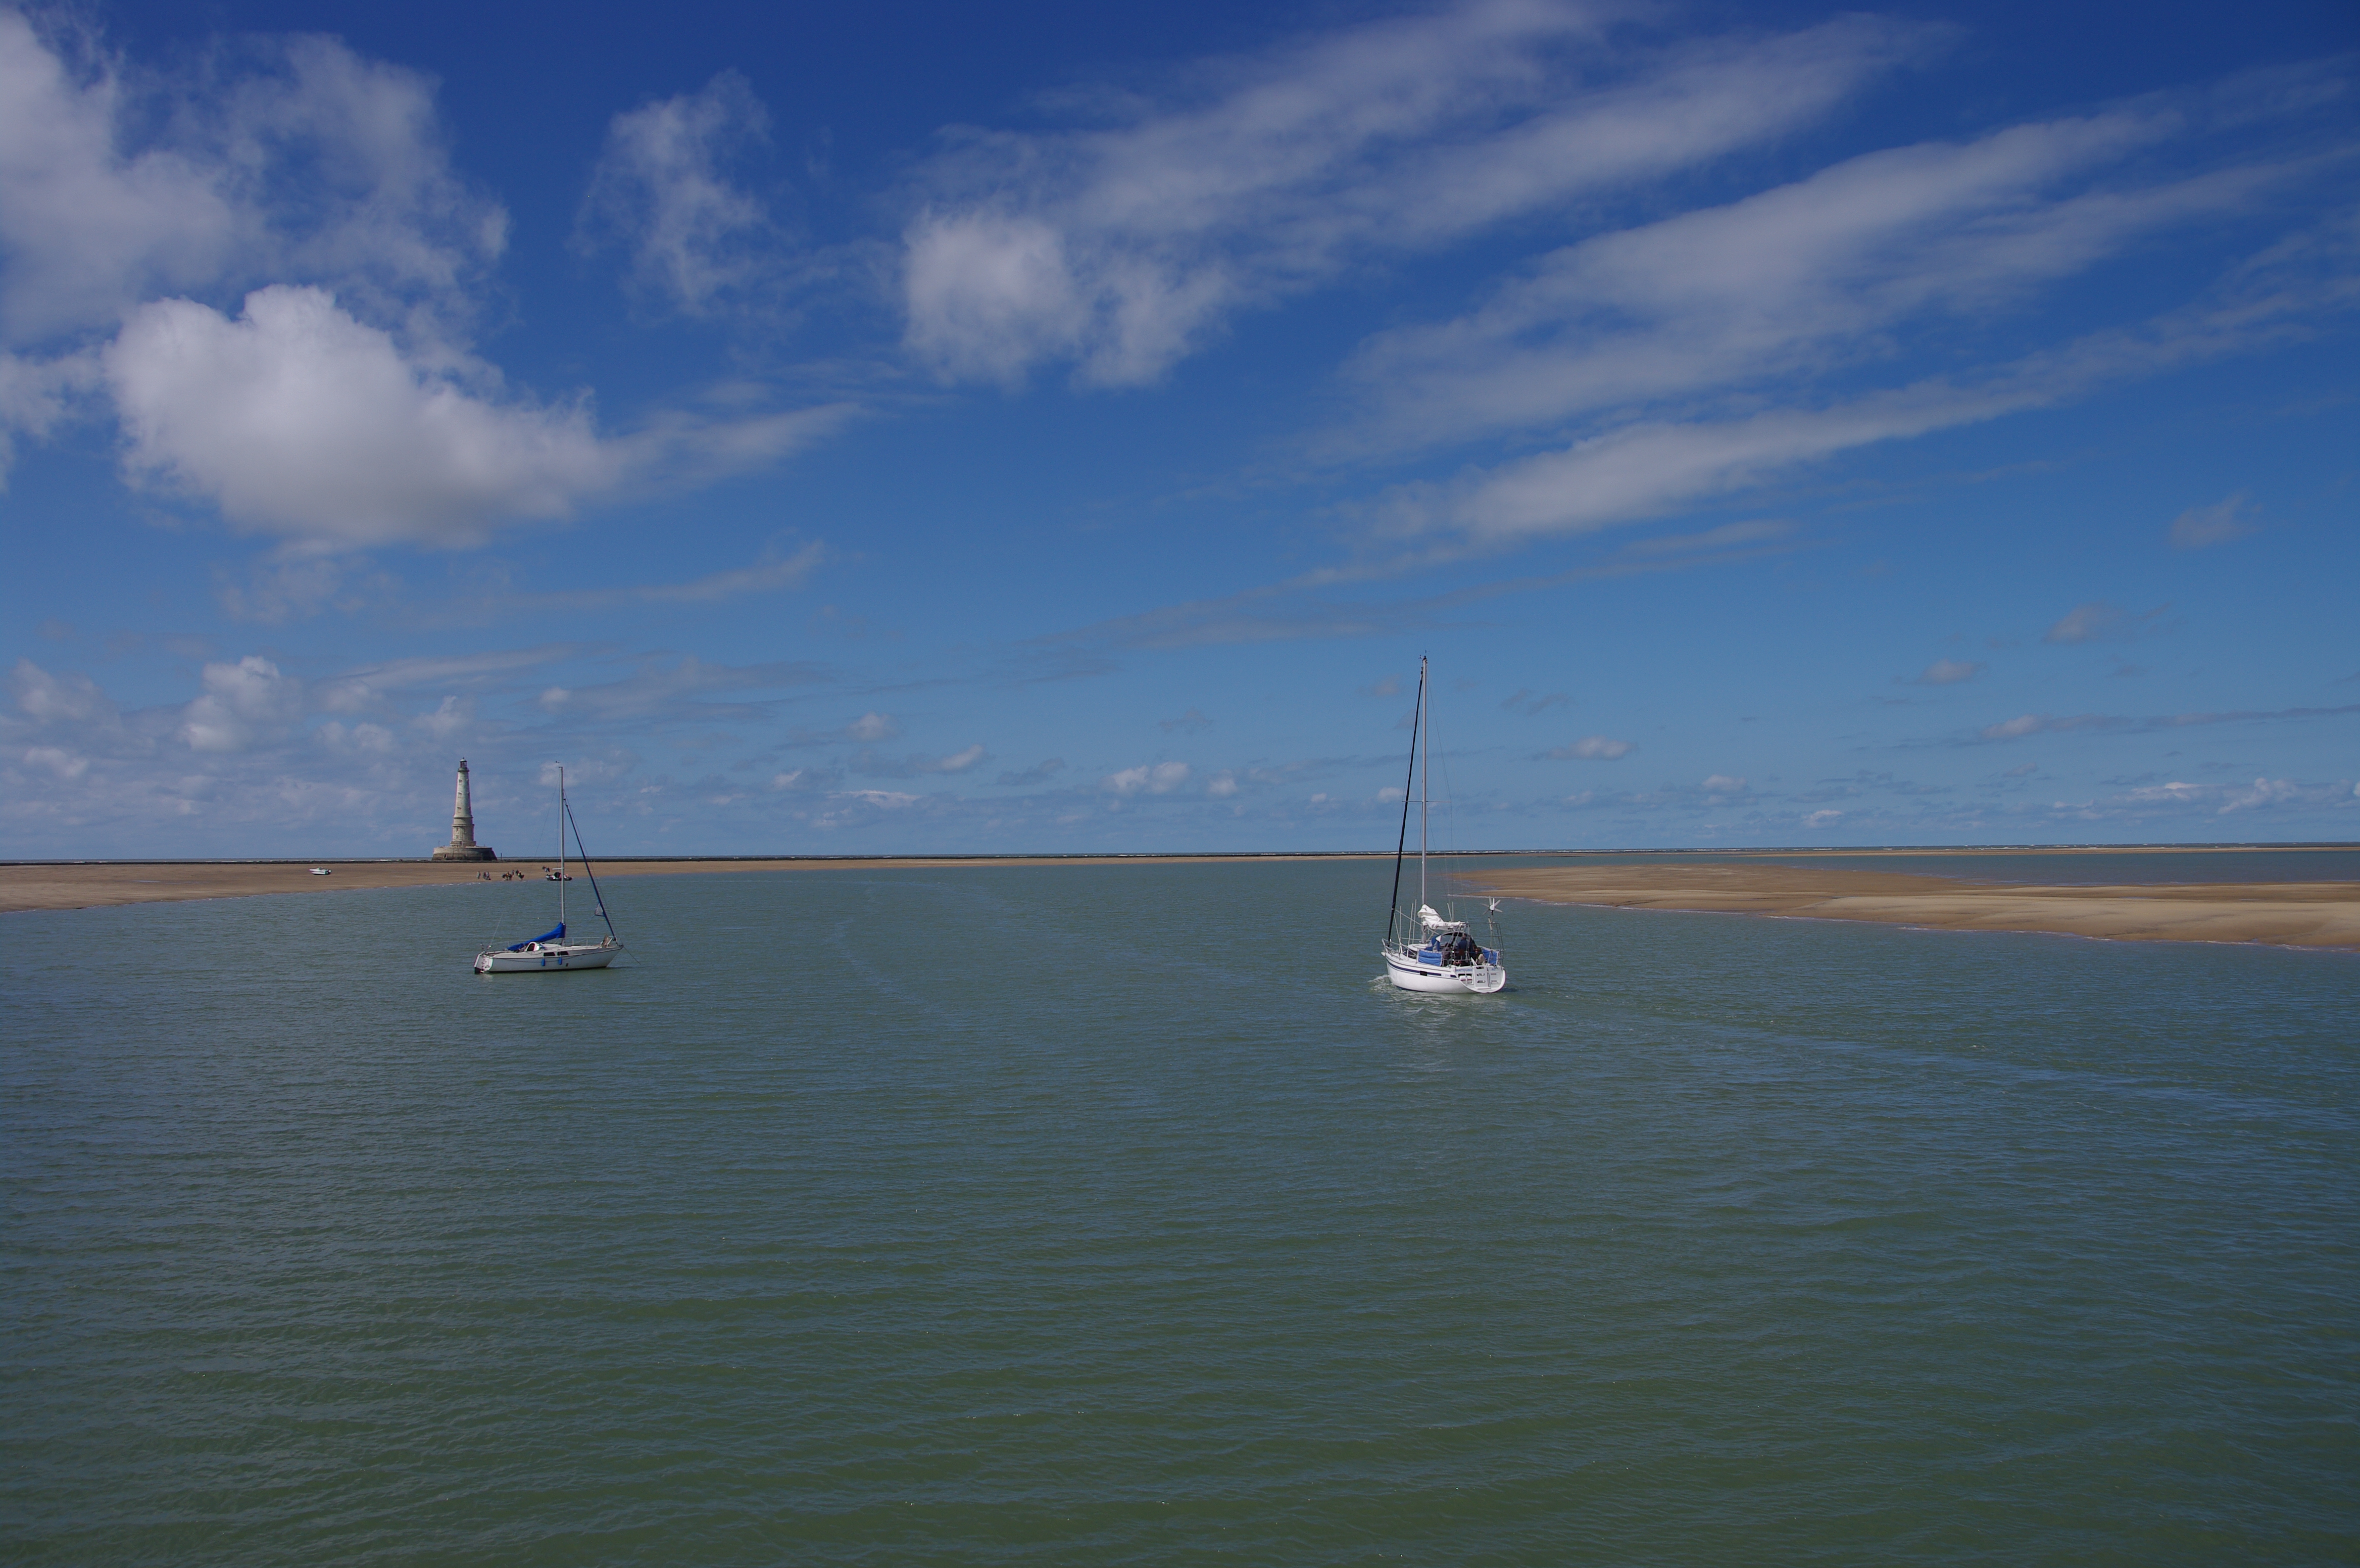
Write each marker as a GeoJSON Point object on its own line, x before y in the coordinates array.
{"type": "Point", "coordinates": [1122, 1215]}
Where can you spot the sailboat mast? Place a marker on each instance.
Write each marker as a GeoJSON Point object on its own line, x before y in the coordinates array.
{"type": "Point", "coordinates": [561, 846]}
{"type": "Point", "coordinates": [1409, 777]}
{"type": "Point", "coordinates": [1424, 778]}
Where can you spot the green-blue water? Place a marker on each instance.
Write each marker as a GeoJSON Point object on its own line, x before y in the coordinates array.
{"type": "Point", "coordinates": [1119, 1214]}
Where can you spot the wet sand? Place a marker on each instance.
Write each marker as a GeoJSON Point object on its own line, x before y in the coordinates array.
{"type": "Point", "coordinates": [90, 884]}
{"type": "Point", "coordinates": [2284, 914]}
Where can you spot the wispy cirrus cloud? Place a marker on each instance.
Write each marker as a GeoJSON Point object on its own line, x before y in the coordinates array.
{"type": "Point", "coordinates": [2200, 528]}
{"type": "Point", "coordinates": [1650, 467]}
{"type": "Point", "coordinates": [2028, 724]}
{"type": "Point", "coordinates": [1798, 281]}
{"type": "Point", "coordinates": [677, 691]}
{"type": "Point", "coordinates": [1120, 248]}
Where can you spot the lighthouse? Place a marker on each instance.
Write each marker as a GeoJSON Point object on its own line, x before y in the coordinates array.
{"type": "Point", "coordinates": [463, 844]}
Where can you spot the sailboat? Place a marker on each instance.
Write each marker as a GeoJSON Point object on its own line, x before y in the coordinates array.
{"type": "Point", "coordinates": [550, 951]}
{"type": "Point", "coordinates": [1439, 955]}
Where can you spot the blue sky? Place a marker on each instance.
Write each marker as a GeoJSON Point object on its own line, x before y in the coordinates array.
{"type": "Point", "coordinates": [930, 429]}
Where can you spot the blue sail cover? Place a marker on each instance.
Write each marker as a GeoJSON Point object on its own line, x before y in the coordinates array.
{"type": "Point", "coordinates": [544, 937]}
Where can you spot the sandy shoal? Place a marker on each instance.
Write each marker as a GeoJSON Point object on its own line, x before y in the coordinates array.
{"type": "Point", "coordinates": [93, 884]}
{"type": "Point", "coordinates": [2286, 914]}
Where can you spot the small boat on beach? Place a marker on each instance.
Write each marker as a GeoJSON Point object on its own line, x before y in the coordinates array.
{"type": "Point", "coordinates": [550, 951]}
{"type": "Point", "coordinates": [1429, 951]}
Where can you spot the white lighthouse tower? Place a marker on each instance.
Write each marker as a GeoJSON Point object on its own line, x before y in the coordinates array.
{"type": "Point", "coordinates": [463, 844]}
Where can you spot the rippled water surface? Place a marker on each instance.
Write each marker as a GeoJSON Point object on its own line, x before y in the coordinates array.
{"type": "Point", "coordinates": [1122, 1214]}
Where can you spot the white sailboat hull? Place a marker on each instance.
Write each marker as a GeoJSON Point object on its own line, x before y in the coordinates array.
{"type": "Point", "coordinates": [547, 958]}
{"type": "Point", "coordinates": [1410, 975]}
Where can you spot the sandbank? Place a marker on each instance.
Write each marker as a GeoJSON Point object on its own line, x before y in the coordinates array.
{"type": "Point", "coordinates": [86, 884]}
{"type": "Point", "coordinates": [2282, 913]}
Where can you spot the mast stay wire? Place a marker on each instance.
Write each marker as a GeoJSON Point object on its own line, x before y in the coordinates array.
{"type": "Point", "coordinates": [596, 891]}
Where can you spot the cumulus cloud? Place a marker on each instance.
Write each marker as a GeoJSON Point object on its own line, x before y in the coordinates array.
{"type": "Point", "coordinates": [660, 188]}
{"type": "Point", "coordinates": [342, 409]}
{"type": "Point", "coordinates": [1160, 778]}
{"type": "Point", "coordinates": [1724, 784]}
{"type": "Point", "coordinates": [297, 420]}
{"type": "Point", "coordinates": [363, 739]}
{"type": "Point", "coordinates": [1948, 672]}
{"type": "Point", "coordinates": [1592, 748]}
{"type": "Point", "coordinates": [870, 728]}
{"type": "Point", "coordinates": [1124, 247]}
{"type": "Point", "coordinates": [243, 703]}
{"type": "Point", "coordinates": [2223, 521]}
{"type": "Point", "coordinates": [70, 699]}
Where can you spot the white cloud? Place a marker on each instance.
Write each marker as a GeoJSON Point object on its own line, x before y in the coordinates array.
{"type": "Point", "coordinates": [1646, 469]}
{"type": "Point", "coordinates": [1821, 818]}
{"type": "Point", "coordinates": [1791, 281]}
{"type": "Point", "coordinates": [360, 739]}
{"type": "Point", "coordinates": [2083, 622]}
{"type": "Point", "coordinates": [1039, 773]}
{"type": "Point", "coordinates": [36, 395]}
{"type": "Point", "coordinates": [85, 228]}
{"type": "Point", "coordinates": [2219, 523]}
{"type": "Point", "coordinates": [115, 187]}
{"type": "Point", "coordinates": [1122, 248]}
{"type": "Point", "coordinates": [959, 761]}
{"type": "Point", "coordinates": [988, 296]}
{"type": "Point", "coordinates": [872, 727]}
{"type": "Point", "coordinates": [1162, 778]}
{"type": "Point", "coordinates": [448, 718]}
{"type": "Point", "coordinates": [2265, 792]}
{"type": "Point", "coordinates": [1224, 785]}
{"type": "Point", "coordinates": [1592, 748]}
{"type": "Point", "coordinates": [695, 236]}
{"type": "Point", "coordinates": [668, 692]}
{"type": "Point", "coordinates": [1725, 783]}
{"type": "Point", "coordinates": [72, 699]}
{"type": "Point", "coordinates": [243, 704]}
{"type": "Point", "coordinates": [1949, 672]}
{"type": "Point", "coordinates": [342, 409]}
{"type": "Point", "coordinates": [297, 420]}
{"type": "Point", "coordinates": [67, 765]}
